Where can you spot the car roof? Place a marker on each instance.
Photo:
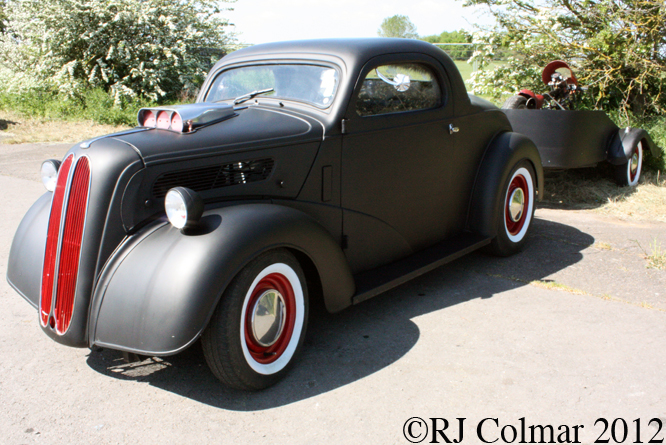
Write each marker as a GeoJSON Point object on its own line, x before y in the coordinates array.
{"type": "Point", "coordinates": [352, 51]}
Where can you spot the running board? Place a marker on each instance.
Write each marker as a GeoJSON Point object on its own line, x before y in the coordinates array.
{"type": "Point", "coordinates": [376, 281]}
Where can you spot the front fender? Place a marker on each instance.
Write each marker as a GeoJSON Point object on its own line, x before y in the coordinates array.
{"type": "Point", "coordinates": [623, 144]}
{"type": "Point", "coordinates": [157, 293]}
{"type": "Point", "coordinates": [26, 257]}
{"type": "Point", "coordinates": [504, 152]}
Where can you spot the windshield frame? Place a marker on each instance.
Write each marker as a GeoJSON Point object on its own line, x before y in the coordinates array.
{"type": "Point", "coordinates": [267, 62]}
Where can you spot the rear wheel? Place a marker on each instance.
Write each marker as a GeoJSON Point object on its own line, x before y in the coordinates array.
{"type": "Point", "coordinates": [517, 210]}
{"type": "Point", "coordinates": [259, 324]}
{"type": "Point", "coordinates": [516, 102]}
{"type": "Point", "coordinates": [628, 174]}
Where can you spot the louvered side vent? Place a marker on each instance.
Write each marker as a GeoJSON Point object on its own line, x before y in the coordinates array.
{"type": "Point", "coordinates": [70, 252]}
{"type": "Point", "coordinates": [52, 242]}
{"type": "Point", "coordinates": [209, 178]}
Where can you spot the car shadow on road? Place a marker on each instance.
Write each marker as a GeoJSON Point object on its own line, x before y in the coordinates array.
{"type": "Point", "coordinates": [342, 349]}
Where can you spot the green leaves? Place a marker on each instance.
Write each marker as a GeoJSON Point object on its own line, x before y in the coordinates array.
{"type": "Point", "coordinates": [148, 48]}
{"type": "Point", "coordinates": [617, 47]}
{"type": "Point", "coordinates": [397, 26]}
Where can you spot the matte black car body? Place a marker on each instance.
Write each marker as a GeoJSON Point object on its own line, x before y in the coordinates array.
{"type": "Point", "coordinates": [578, 138]}
{"type": "Point", "coordinates": [363, 202]}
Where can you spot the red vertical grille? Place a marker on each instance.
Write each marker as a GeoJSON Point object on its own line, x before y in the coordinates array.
{"type": "Point", "coordinates": [52, 241]}
{"type": "Point", "coordinates": [72, 236]}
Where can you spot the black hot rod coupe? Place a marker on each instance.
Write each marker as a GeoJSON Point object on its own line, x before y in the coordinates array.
{"type": "Point", "coordinates": [569, 138]}
{"type": "Point", "coordinates": [328, 169]}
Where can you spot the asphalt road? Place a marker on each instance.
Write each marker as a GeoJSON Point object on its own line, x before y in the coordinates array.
{"type": "Point", "coordinates": [470, 340]}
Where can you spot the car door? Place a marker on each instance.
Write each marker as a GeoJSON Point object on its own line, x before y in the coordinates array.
{"type": "Point", "coordinates": [395, 171]}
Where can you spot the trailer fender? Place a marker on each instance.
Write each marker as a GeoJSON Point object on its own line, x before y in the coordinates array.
{"type": "Point", "coordinates": [625, 141]}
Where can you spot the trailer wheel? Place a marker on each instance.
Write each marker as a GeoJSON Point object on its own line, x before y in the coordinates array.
{"type": "Point", "coordinates": [629, 173]}
{"type": "Point", "coordinates": [516, 102]}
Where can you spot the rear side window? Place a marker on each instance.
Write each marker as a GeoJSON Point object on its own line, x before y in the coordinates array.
{"type": "Point", "coordinates": [400, 87]}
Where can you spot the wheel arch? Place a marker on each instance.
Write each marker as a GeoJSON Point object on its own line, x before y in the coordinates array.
{"type": "Point", "coordinates": [506, 150]}
{"type": "Point", "coordinates": [624, 142]}
{"type": "Point", "coordinates": [159, 291]}
{"type": "Point", "coordinates": [313, 279]}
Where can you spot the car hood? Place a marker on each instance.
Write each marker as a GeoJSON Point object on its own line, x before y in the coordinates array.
{"type": "Point", "coordinates": [250, 128]}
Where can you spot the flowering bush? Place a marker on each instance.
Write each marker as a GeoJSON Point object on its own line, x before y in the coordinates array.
{"type": "Point", "coordinates": [148, 48]}
{"type": "Point", "coordinates": [616, 47]}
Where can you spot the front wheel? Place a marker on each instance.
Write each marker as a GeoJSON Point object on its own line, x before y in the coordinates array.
{"type": "Point", "coordinates": [517, 210]}
{"type": "Point", "coordinates": [259, 324]}
{"type": "Point", "coordinates": [628, 174]}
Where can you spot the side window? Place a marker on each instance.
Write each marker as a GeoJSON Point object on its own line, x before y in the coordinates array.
{"type": "Point", "coordinates": [398, 87]}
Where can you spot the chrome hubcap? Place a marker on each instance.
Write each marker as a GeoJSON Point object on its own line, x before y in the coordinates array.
{"type": "Point", "coordinates": [516, 204]}
{"type": "Point", "coordinates": [634, 163]}
{"type": "Point", "coordinates": [268, 317]}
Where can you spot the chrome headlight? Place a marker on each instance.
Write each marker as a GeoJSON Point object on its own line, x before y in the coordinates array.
{"type": "Point", "coordinates": [184, 207]}
{"type": "Point", "coordinates": [49, 173]}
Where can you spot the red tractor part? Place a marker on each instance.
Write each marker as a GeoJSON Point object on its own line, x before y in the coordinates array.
{"type": "Point", "coordinates": [554, 66]}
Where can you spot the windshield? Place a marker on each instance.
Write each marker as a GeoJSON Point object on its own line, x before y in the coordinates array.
{"type": "Point", "coordinates": [306, 83]}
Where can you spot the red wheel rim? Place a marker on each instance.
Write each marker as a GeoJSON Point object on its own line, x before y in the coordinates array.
{"type": "Point", "coordinates": [263, 354]}
{"type": "Point", "coordinates": [633, 172]}
{"type": "Point", "coordinates": [514, 227]}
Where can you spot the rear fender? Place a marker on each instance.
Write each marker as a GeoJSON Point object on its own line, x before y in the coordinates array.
{"type": "Point", "coordinates": [160, 288]}
{"type": "Point", "coordinates": [625, 140]}
{"type": "Point", "coordinates": [504, 152]}
{"type": "Point", "coordinates": [527, 93]}
{"type": "Point", "coordinates": [534, 101]}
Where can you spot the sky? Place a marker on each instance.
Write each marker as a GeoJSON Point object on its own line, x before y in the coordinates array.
{"type": "Point", "coordinates": [261, 21]}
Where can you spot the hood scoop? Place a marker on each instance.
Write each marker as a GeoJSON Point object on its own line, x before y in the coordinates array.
{"type": "Point", "coordinates": [184, 118]}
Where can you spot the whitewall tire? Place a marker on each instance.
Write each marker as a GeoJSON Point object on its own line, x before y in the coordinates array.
{"type": "Point", "coordinates": [516, 210]}
{"type": "Point", "coordinates": [259, 324]}
{"type": "Point", "coordinates": [630, 173]}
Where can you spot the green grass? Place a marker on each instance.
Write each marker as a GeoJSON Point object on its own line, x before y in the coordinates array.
{"type": "Point", "coordinates": [657, 256]}
{"type": "Point", "coordinates": [95, 105]}
{"type": "Point", "coordinates": [464, 68]}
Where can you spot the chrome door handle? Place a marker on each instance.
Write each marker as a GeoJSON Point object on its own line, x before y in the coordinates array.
{"type": "Point", "coordinates": [453, 129]}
